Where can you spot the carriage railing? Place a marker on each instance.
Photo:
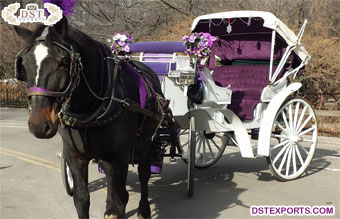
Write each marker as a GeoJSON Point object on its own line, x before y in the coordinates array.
{"type": "Point", "coordinates": [283, 61]}
{"type": "Point", "coordinates": [285, 57]}
{"type": "Point", "coordinates": [179, 66]}
{"type": "Point", "coordinates": [272, 55]}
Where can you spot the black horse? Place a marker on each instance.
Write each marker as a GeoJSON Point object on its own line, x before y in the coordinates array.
{"type": "Point", "coordinates": [70, 91]}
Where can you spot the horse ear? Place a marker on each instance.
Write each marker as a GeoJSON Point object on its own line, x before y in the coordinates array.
{"type": "Point", "coordinates": [23, 32]}
{"type": "Point", "coordinates": [61, 27]}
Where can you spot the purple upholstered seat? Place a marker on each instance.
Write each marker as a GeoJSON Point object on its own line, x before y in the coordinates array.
{"type": "Point", "coordinates": [159, 62]}
{"type": "Point", "coordinates": [246, 83]}
{"type": "Point", "coordinates": [248, 80]}
{"type": "Point", "coordinates": [249, 49]}
{"type": "Point", "coordinates": [161, 68]}
{"type": "Point", "coordinates": [164, 50]}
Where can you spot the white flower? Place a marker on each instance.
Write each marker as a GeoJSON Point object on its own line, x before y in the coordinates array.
{"type": "Point", "coordinates": [119, 36]}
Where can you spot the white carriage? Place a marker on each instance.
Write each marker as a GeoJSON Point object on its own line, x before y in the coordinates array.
{"type": "Point", "coordinates": [249, 94]}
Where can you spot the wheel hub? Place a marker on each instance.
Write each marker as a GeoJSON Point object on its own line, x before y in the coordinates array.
{"type": "Point", "coordinates": [295, 139]}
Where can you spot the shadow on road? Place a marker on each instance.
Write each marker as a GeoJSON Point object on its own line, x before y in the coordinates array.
{"type": "Point", "coordinates": [215, 190]}
{"type": "Point", "coordinates": [97, 184]}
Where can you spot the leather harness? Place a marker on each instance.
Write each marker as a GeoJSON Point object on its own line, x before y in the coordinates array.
{"type": "Point", "coordinates": [104, 114]}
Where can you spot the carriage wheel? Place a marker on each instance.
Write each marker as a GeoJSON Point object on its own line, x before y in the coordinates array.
{"type": "Point", "coordinates": [67, 177]}
{"type": "Point", "coordinates": [210, 147]}
{"type": "Point", "coordinates": [294, 139]}
{"type": "Point", "coordinates": [191, 160]}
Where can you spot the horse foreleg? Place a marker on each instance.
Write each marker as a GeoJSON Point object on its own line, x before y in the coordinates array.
{"type": "Point", "coordinates": [117, 195]}
{"type": "Point", "coordinates": [79, 170]}
{"type": "Point", "coordinates": [144, 176]}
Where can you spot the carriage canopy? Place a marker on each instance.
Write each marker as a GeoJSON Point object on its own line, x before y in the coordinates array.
{"type": "Point", "coordinates": [247, 22]}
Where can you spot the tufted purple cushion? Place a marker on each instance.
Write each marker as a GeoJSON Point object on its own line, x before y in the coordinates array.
{"type": "Point", "coordinates": [248, 49]}
{"type": "Point", "coordinates": [247, 83]}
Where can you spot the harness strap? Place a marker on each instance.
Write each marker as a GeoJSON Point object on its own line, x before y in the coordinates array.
{"type": "Point", "coordinates": [132, 106]}
{"type": "Point", "coordinates": [128, 104]}
{"type": "Point", "coordinates": [162, 103]}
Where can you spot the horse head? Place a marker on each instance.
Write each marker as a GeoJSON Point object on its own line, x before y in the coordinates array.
{"type": "Point", "coordinates": [46, 65]}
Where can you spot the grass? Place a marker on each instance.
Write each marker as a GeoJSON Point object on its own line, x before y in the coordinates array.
{"type": "Point", "coordinates": [329, 126]}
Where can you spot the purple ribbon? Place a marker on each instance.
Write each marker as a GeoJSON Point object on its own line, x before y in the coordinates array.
{"type": "Point", "coordinates": [141, 86]}
{"type": "Point", "coordinates": [202, 75]}
{"type": "Point", "coordinates": [38, 89]}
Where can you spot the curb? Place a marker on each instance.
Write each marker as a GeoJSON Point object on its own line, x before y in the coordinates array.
{"type": "Point", "coordinates": [329, 140]}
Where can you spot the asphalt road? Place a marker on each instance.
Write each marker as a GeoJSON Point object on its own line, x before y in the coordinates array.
{"type": "Point", "coordinates": [31, 186]}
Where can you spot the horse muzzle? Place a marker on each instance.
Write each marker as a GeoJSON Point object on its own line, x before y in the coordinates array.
{"type": "Point", "coordinates": [43, 120]}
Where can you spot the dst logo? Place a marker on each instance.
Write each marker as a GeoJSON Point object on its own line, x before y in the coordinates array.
{"type": "Point", "coordinates": [31, 14]}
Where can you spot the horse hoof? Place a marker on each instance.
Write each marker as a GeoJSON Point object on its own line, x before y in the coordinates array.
{"type": "Point", "coordinates": [111, 216]}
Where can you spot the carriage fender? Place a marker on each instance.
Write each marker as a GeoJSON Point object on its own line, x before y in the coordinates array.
{"type": "Point", "coordinates": [269, 116]}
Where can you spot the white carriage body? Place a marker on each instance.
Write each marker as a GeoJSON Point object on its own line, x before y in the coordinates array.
{"type": "Point", "coordinates": [213, 110]}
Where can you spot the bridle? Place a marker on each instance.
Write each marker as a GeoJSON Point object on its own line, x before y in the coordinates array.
{"type": "Point", "coordinates": [101, 116]}
{"type": "Point", "coordinates": [74, 72]}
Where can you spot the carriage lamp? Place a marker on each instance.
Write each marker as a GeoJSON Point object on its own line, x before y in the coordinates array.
{"type": "Point", "coordinates": [187, 77]}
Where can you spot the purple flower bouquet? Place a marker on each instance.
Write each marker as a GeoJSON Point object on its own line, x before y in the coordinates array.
{"type": "Point", "coordinates": [198, 44]}
{"type": "Point", "coordinates": [120, 43]}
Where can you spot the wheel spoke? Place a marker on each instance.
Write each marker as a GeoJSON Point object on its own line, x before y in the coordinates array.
{"type": "Point", "coordinates": [210, 149]}
{"type": "Point", "coordinates": [212, 140]}
{"type": "Point", "coordinates": [280, 144]}
{"type": "Point", "coordinates": [279, 136]}
{"type": "Point", "coordinates": [304, 149]}
{"type": "Point", "coordinates": [280, 153]}
{"type": "Point", "coordinates": [199, 142]}
{"type": "Point", "coordinates": [304, 123]}
{"type": "Point", "coordinates": [307, 130]}
{"type": "Point", "coordinates": [300, 118]}
{"type": "Point", "coordinates": [197, 136]}
{"type": "Point", "coordinates": [285, 120]}
{"type": "Point", "coordinates": [280, 126]}
{"type": "Point", "coordinates": [205, 143]}
{"type": "Point", "coordinates": [204, 154]}
{"type": "Point", "coordinates": [283, 159]}
{"type": "Point", "coordinates": [294, 159]}
{"type": "Point", "coordinates": [297, 107]}
{"type": "Point", "coordinates": [288, 160]}
{"type": "Point", "coordinates": [218, 136]}
{"type": "Point", "coordinates": [290, 113]}
{"type": "Point", "coordinates": [299, 155]}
